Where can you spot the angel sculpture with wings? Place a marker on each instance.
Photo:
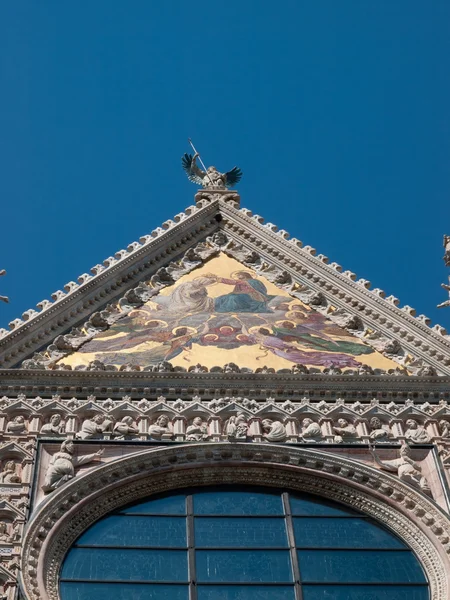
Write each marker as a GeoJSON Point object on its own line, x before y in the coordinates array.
{"type": "Point", "coordinates": [211, 178]}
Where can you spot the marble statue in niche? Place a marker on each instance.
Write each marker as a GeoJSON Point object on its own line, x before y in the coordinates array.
{"type": "Point", "coordinates": [16, 532]}
{"type": "Point", "coordinates": [160, 427]}
{"type": "Point", "coordinates": [274, 431]}
{"type": "Point", "coordinates": [416, 433]}
{"type": "Point", "coordinates": [311, 431]}
{"type": "Point", "coordinates": [444, 428]}
{"type": "Point", "coordinates": [94, 428]}
{"type": "Point", "coordinates": [237, 427]}
{"type": "Point", "coordinates": [378, 431]}
{"type": "Point", "coordinates": [4, 535]}
{"type": "Point", "coordinates": [17, 426]}
{"type": "Point", "coordinates": [197, 431]}
{"type": "Point", "coordinates": [345, 432]}
{"type": "Point", "coordinates": [54, 428]}
{"type": "Point", "coordinates": [9, 474]}
{"type": "Point", "coordinates": [125, 428]}
{"type": "Point", "coordinates": [406, 469]}
{"type": "Point", "coordinates": [63, 464]}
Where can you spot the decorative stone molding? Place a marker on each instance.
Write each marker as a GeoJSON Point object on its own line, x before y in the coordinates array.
{"type": "Point", "coordinates": [89, 418]}
{"type": "Point", "coordinates": [57, 523]}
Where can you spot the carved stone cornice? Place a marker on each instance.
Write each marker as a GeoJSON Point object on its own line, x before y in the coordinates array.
{"type": "Point", "coordinates": [70, 510]}
{"type": "Point", "coordinates": [279, 385]}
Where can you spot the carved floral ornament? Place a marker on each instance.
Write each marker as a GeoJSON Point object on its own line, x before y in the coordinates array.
{"type": "Point", "coordinates": [71, 509]}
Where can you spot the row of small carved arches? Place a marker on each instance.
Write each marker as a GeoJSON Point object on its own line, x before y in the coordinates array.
{"type": "Point", "coordinates": [379, 293]}
{"type": "Point", "coordinates": [45, 407]}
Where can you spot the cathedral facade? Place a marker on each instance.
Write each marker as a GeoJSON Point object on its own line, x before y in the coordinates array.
{"type": "Point", "coordinates": [218, 412]}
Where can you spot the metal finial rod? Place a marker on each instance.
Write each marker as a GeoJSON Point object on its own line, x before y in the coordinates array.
{"type": "Point", "coordinates": [200, 159]}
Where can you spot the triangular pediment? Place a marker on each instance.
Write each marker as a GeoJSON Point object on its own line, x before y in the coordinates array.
{"type": "Point", "coordinates": [224, 312]}
{"type": "Point", "coordinates": [346, 328]}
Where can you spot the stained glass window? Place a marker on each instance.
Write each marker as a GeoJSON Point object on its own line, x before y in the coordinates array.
{"type": "Point", "coordinates": [240, 544]}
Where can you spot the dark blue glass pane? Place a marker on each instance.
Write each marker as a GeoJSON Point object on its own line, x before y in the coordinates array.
{"type": "Point", "coordinates": [241, 592]}
{"type": "Point", "coordinates": [344, 533]}
{"type": "Point", "coordinates": [237, 503]}
{"type": "Point", "coordinates": [246, 533]}
{"type": "Point", "coordinates": [362, 566]}
{"type": "Point", "coordinates": [312, 506]}
{"type": "Point", "coordinates": [125, 565]}
{"type": "Point", "coordinates": [243, 565]}
{"type": "Point", "coordinates": [172, 505]}
{"type": "Point", "coordinates": [118, 530]}
{"type": "Point", "coordinates": [122, 591]}
{"type": "Point", "coordinates": [364, 592]}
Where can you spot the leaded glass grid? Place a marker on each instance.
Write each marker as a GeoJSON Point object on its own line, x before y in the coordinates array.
{"type": "Point", "coordinates": [240, 544]}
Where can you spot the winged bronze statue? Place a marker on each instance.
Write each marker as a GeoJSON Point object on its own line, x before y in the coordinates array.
{"type": "Point", "coordinates": [211, 178]}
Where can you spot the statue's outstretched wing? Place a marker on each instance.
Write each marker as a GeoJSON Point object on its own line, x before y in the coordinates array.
{"type": "Point", "coordinates": [233, 176]}
{"type": "Point", "coordinates": [192, 171]}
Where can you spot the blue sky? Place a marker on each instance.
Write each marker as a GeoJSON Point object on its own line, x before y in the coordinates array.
{"type": "Point", "coordinates": [337, 112]}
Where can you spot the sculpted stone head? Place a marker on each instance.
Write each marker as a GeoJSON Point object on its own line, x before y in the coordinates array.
{"type": "Point", "coordinates": [267, 424]}
{"type": "Point", "coordinates": [342, 422]}
{"type": "Point", "coordinates": [99, 419]}
{"type": "Point", "coordinates": [67, 446]}
{"type": "Point", "coordinates": [55, 419]}
{"type": "Point", "coordinates": [375, 423]}
{"type": "Point", "coordinates": [197, 421]}
{"type": "Point", "coordinates": [162, 420]}
{"type": "Point", "coordinates": [405, 450]}
{"type": "Point", "coordinates": [411, 424]}
{"type": "Point", "coordinates": [306, 422]}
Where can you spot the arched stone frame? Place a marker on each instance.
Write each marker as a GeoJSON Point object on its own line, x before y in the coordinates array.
{"type": "Point", "coordinates": [62, 517]}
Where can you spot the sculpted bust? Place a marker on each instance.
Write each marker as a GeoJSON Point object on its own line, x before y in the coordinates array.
{"type": "Point", "coordinates": [197, 431]}
{"type": "Point", "coordinates": [160, 427]}
{"type": "Point", "coordinates": [125, 428]}
{"type": "Point", "coordinates": [378, 432]}
{"type": "Point", "coordinates": [9, 475]}
{"type": "Point", "coordinates": [416, 433]}
{"type": "Point", "coordinates": [94, 427]}
{"type": "Point", "coordinates": [274, 431]}
{"type": "Point", "coordinates": [345, 431]}
{"type": "Point", "coordinates": [17, 425]}
{"type": "Point", "coordinates": [310, 430]}
{"type": "Point", "coordinates": [237, 427]}
{"type": "Point", "coordinates": [54, 427]}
